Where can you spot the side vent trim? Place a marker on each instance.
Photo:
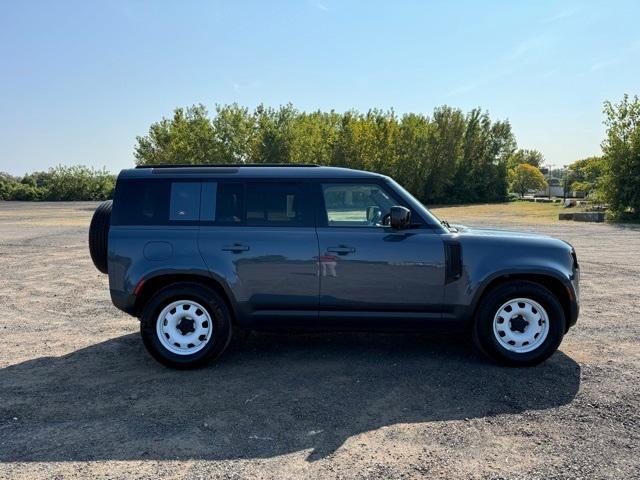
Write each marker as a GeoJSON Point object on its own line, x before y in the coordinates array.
{"type": "Point", "coordinates": [453, 259]}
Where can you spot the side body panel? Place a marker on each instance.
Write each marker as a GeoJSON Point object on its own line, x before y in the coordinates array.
{"type": "Point", "coordinates": [276, 276]}
{"type": "Point", "coordinates": [397, 272]}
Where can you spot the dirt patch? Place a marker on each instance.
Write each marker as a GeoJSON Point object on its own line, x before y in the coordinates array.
{"type": "Point", "coordinates": [80, 397]}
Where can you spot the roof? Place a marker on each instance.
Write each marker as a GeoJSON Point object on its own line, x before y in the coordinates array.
{"type": "Point", "coordinates": [245, 171]}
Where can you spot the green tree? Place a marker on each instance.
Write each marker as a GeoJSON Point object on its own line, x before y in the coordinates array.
{"type": "Point", "coordinates": [481, 172]}
{"type": "Point", "coordinates": [275, 134]}
{"type": "Point", "coordinates": [531, 157]}
{"type": "Point", "coordinates": [444, 150]}
{"type": "Point", "coordinates": [502, 144]}
{"type": "Point", "coordinates": [525, 177]}
{"type": "Point", "coordinates": [621, 154]}
{"type": "Point", "coordinates": [314, 138]}
{"type": "Point", "coordinates": [413, 162]}
{"type": "Point", "coordinates": [586, 175]}
{"type": "Point", "coordinates": [187, 138]}
{"type": "Point", "coordinates": [234, 132]}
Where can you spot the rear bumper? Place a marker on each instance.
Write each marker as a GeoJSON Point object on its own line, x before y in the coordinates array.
{"type": "Point", "coordinates": [123, 301]}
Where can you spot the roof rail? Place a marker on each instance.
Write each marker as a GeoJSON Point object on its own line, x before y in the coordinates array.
{"type": "Point", "coordinates": [227, 165]}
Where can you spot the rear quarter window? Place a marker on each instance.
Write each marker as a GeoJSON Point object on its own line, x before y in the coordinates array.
{"type": "Point", "coordinates": [156, 203]}
{"type": "Point", "coordinates": [141, 203]}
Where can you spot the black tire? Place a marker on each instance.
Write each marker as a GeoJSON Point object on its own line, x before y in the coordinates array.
{"type": "Point", "coordinates": [215, 307]}
{"type": "Point", "coordinates": [99, 235]}
{"type": "Point", "coordinates": [483, 331]}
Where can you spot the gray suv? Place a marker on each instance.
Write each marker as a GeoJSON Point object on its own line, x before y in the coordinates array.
{"type": "Point", "coordinates": [200, 253]}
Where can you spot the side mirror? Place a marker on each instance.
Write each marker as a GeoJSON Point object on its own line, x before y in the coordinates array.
{"type": "Point", "coordinates": [400, 217]}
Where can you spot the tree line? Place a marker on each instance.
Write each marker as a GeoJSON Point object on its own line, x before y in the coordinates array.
{"type": "Point", "coordinates": [59, 183]}
{"type": "Point", "coordinates": [447, 157]}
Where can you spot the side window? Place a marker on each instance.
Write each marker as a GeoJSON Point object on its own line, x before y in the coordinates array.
{"type": "Point", "coordinates": [229, 203]}
{"type": "Point", "coordinates": [356, 204]}
{"type": "Point", "coordinates": [139, 202]}
{"type": "Point", "coordinates": [278, 204]}
{"type": "Point", "coordinates": [185, 201]}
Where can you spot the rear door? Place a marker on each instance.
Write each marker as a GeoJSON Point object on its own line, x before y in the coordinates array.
{"type": "Point", "coordinates": [259, 237]}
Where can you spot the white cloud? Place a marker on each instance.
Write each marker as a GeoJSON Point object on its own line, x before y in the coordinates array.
{"type": "Point", "coordinates": [605, 64]}
{"type": "Point", "coordinates": [462, 89]}
{"type": "Point", "coordinates": [320, 6]}
{"type": "Point", "coordinates": [561, 15]}
{"type": "Point", "coordinates": [530, 45]}
{"type": "Point", "coordinates": [480, 82]}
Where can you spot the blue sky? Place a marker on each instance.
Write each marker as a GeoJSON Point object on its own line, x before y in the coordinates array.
{"type": "Point", "coordinates": [79, 80]}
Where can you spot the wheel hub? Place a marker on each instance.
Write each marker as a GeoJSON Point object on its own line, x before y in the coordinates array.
{"type": "Point", "coordinates": [186, 325]}
{"type": "Point", "coordinates": [519, 324]}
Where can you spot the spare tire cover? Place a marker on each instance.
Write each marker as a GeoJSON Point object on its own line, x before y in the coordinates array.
{"type": "Point", "coordinates": [99, 235]}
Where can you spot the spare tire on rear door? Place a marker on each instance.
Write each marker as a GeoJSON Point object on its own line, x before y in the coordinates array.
{"type": "Point", "coordinates": [99, 235]}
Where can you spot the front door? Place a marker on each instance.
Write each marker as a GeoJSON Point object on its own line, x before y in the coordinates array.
{"type": "Point", "coordinates": [370, 270]}
{"type": "Point", "coordinates": [261, 240]}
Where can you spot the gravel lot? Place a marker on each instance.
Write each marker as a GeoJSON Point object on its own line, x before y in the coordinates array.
{"type": "Point", "coordinates": [80, 397]}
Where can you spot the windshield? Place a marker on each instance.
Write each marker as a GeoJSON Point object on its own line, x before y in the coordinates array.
{"type": "Point", "coordinates": [416, 204]}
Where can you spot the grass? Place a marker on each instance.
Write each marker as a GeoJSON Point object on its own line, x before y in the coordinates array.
{"type": "Point", "coordinates": [512, 212]}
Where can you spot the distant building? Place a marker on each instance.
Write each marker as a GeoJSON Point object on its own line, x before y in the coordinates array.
{"type": "Point", "coordinates": [554, 189]}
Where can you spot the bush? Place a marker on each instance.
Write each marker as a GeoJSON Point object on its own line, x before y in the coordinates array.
{"type": "Point", "coordinates": [24, 192]}
{"type": "Point", "coordinates": [59, 183]}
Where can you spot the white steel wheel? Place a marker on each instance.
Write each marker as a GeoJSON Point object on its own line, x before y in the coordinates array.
{"type": "Point", "coordinates": [521, 325]}
{"type": "Point", "coordinates": [184, 327]}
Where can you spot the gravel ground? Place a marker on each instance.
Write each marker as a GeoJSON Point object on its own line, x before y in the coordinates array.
{"type": "Point", "coordinates": [80, 397]}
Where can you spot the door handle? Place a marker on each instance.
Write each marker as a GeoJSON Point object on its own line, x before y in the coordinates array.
{"type": "Point", "coordinates": [236, 248]}
{"type": "Point", "coordinates": [341, 250]}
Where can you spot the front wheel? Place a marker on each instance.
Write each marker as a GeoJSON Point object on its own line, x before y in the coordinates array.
{"type": "Point", "coordinates": [519, 324]}
{"type": "Point", "coordinates": [186, 325]}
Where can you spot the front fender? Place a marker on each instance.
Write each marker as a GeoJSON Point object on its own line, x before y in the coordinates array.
{"type": "Point", "coordinates": [486, 259]}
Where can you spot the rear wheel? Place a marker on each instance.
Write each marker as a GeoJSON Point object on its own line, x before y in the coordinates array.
{"type": "Point", "coordinates": [186, 325]}
{"type": "Point", "coordinates": [519, 324]}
